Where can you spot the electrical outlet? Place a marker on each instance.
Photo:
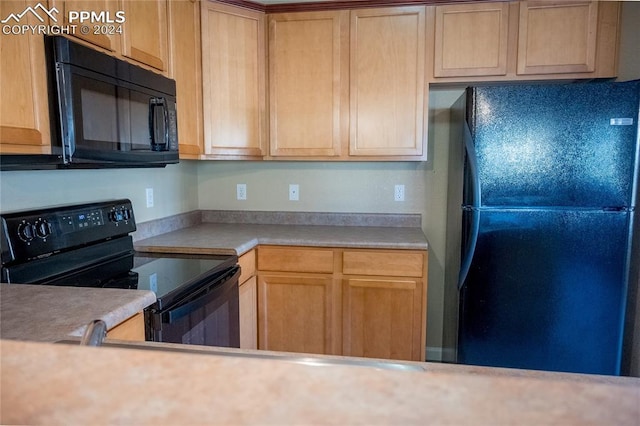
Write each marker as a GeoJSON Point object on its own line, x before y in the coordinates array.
{"type": "Point", "coordinates": [241, 191]}
{"type": "Point", "coordinates": [149, 192]}
{"type": "Point", "coordinates": [398, 193]}
{"type": "Point", "coordinates": [294, 192]}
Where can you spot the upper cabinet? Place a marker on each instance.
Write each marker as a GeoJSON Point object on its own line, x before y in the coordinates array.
{"type": "Point", "coordinates": [24, 112]}
{"type": "Point", "coordinates": [144, 32]}
{"type": "Point", "coordinates": [233, 72]}
{"type": "Point", "coordinates": [308, 83]}
{"type": "Point", "coordinates": [526, 40]}
{"type": "Point", "coordinates": [387, 82]}
{"type": "Point", "coordinates": [557, 37]}
{"type": "Point", "coordinates": [185, 66]}
{"type": "Point", "coordinates": [107, 37]}
{"type": "Point", "coordinates": [471, 39]}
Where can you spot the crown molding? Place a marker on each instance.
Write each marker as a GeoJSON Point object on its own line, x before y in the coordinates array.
{"type": "Point", "coordinates": [337, 4]}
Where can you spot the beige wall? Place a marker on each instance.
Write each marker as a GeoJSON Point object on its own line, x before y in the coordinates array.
{"type": "Point", "coordinates": [629, 60]}
{"type": "Point", "coordinates": [175, 188]}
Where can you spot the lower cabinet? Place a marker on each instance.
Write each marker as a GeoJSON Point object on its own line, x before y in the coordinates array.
{"type": "Point", "coordinates": [296, 313]}
{"type": "Point", "coordinates": [356, 302]}
{"type": "Point", "coordinates": [131, 329]}
{"type": "Point", "coordinates": [382, 318]}
{"type": "Point", "coordinates": [248, 294]}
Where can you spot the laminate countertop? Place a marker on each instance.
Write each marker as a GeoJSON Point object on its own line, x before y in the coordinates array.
{"type": "Point", "coordinates": [51, 313]}
{"type": "Point", "coordinates": [239, 238]}
{"type": "Point", "coordinates": [66, 384]}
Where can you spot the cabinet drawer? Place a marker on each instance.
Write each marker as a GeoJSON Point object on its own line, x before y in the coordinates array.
{"type": "Point", "coordinates": [247, 264]}
{"type": "Point", "coordinates": [295, 260]}
{"type": "Point", "coordinates": [392, 263]}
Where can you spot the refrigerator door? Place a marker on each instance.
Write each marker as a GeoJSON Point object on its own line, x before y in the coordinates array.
{"type": "Point", "coordinates": [545, 291]}
{"type": "Point", "coordinates": [555, 145]}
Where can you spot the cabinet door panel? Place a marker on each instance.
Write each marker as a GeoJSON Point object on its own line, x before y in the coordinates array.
{"type": "Point", "coordinates": [297, 313]}
{"type": "Point", "coordinates": [131, 329]}
{"type": "Point", "coordinates": [382, 318]}
{"type": "Point", "coordinates": [471, 39]}
{"type": "Point", "coordinates": [387, 84]}
{"type": "Point", "coordinates": [24, 111]}
{"type": "Point", "coordinates": [106, 41]}
{"type": "Point", "coordinates": [185, 66]}
{"type": "Point", "coordinates": [308, 65]}
{"type": "Point", "coordinates": [144, 32]}
{"type": "Point", "coordinates": [248, 294]}
{"type": "Point", "coordinates": [233, 63]}
{"type": "Point", "coordinates": [557, 37]}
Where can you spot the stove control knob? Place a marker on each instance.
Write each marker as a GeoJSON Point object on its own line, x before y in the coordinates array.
{"type": "Point", "coordinates": [43, 228]}
{"type": "Point", "coordinates": [25, 231]}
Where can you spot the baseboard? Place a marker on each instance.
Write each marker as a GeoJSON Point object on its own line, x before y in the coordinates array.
{"type": "Point", "coordinates": [438, 354]}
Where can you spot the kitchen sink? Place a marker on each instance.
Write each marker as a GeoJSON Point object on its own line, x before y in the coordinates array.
{"type": "Point", "coordinates": [321, 361]}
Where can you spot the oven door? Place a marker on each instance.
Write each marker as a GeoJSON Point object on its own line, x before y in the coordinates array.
{"type": "Point", "coordinates": [208, 315]}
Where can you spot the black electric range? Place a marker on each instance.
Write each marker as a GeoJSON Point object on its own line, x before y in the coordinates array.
{"type": "Point", "coordinates": [89, 245]}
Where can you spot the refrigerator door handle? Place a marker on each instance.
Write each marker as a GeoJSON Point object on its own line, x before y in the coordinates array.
{"type": "Point", "coordinates": [474, 208]}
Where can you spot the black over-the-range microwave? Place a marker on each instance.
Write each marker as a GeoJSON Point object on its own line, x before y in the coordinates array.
{"type": "Point", "coordinates": [104, 112]}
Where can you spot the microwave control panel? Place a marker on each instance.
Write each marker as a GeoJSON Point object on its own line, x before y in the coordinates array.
{"type": "Point", "coordinates": [31, 234]}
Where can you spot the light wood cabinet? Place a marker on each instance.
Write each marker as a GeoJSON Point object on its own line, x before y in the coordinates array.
{"type": "Point", "coordinates": [108, 40]}
{"type": "Point", "coordinates": [298, 300]}
{"type": "Point", "coordinates": [384, 304]}
{"type": "Point", "coordinates": [185, 66]}
{"type": "Point", "coordinates": [130, 329]}
{"type": "Point", "coordinates": [308, 83]}
{"type": "Point", "coordinates": [525, 40]}
{"type": "Point", "coordinates": [24, 110]}
{"type": "Point", "coordinates": [297, 313]}
{"type": "Point", "coordinates": [356, 302]}
{"type": "Point", "coordinates": [248, 293]}
{"type": "Point", "coordinates": [387, 82]}
{"type": "Point", "coordinates": [471, 39]}
{"type": "Point", "coordinates": [557, 37]}
{"type": "Point", "coordinates": [144, 32]}
{"type": "Point", "coordinates": [233, 70]}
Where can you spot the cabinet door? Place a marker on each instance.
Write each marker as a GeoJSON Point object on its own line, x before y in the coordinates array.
{"type": "Point", "coordinates": [248, 301]}
{"type": "Point", "coordinates": [557, 37]}
{"type": "Point", "coordinates": [297, 313]}
{"type": "Point", "coordinates": [308, 88]}
{"type": "Point", "coordinates": [471, 39]}
{"type": "Point", "coordinates": [233, 70]}
{"type": "Point", "coordinates": [144, 33]}
{"type": "Point", "coordinates": [131, 329]}
{"type": "Point", "coordinates": [382, 317]}
{"type": "Point", "coordinates": [24, 112]}
{"type": "Point", "coordinates": [109, 42]}
{"type": "Point", "coordinates": [185, 67]}
{"type": "Point", "coordinates": [387, 82]}
{"type": "Point", "coordinates": [248, 293]}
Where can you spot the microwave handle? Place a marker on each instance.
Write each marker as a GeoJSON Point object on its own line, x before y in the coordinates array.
{"type": "Point", "coordinates": [159, 124]}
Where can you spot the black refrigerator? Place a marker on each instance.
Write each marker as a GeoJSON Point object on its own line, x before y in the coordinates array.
{"type": "Point", "coordinates": [542, 193]}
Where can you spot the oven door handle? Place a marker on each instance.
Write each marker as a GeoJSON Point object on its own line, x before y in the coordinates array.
{"type": "Point", "coordinates": [213, 291]}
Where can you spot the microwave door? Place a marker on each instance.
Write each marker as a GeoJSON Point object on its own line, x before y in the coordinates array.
{"type": "Point", "coordinates": [95, 126]}
{"type": "Point", "coordinates": [105, 120]}
{"type": "Point", "coordinates": [87, 110]}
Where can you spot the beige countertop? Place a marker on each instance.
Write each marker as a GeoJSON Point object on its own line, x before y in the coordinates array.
{"type": "Point", "coordinates": [50, 313]}
{"type": "Point", "coordinates": [64, 384]}
{"type": "Point", "coordinates": [238, 238]}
